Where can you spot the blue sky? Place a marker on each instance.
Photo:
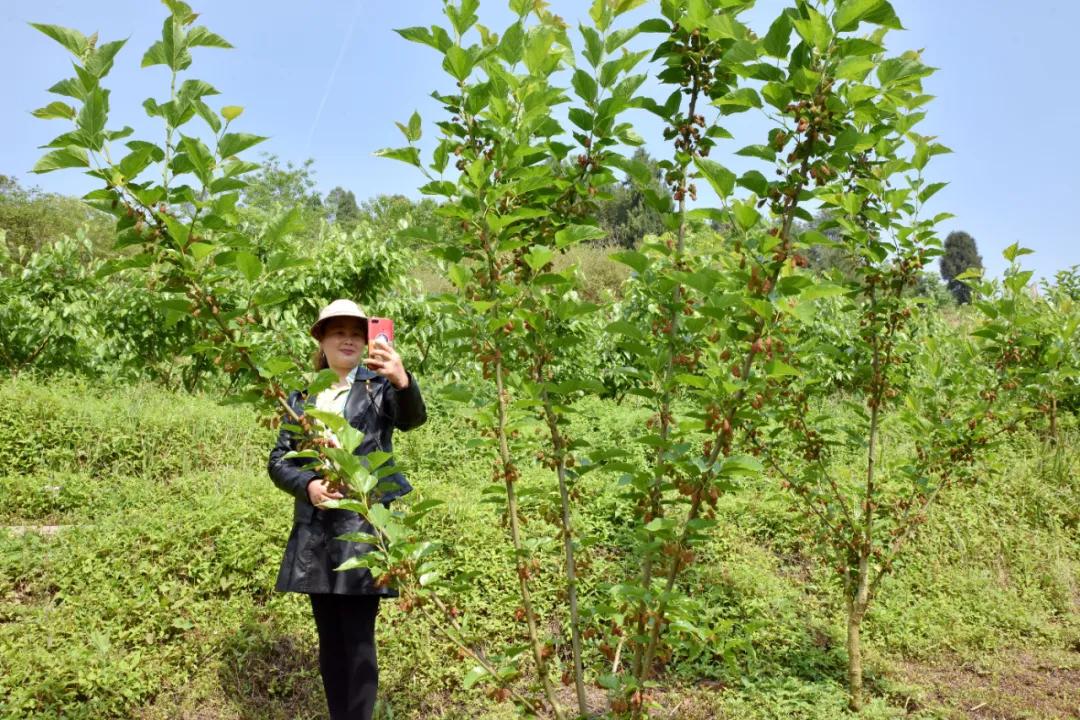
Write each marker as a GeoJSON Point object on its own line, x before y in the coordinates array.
{"type": "Point", "coordinates": [326, 80]}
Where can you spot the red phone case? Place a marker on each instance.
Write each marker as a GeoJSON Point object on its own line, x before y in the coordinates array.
{"type": "Point", "coordinates": [380, 328]}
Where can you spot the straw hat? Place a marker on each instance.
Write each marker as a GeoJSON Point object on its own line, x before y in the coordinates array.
{"type": "Point", "coordinates": [338, 308]}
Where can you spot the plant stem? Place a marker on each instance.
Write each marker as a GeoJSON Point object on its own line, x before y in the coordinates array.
{"type": "Point", "coordinates": [456, 639]}
{"type": "Point", "coordinates": [673, 572]}
{"type": "Point", "coordinates": [655, 508]}
{"type": "Point", "coordinates": [856, 607]}
{"type": "Point", "coordinates": [515, 537]}
{"type": "Point", "coordinates": [568, 547]}
{"type": "Point", "coordinates": [168, 140]}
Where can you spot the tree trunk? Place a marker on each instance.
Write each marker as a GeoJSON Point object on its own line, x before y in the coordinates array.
{"type": "Point", "coordinates": [568, 548]}
{"type": "Point", "coordinates": [519, 554]}
{"type": "Point", "coordinates": [1053, 421]}
{"type": "Point", "coordinates": [854, 659]}
{"type": "Point", "coordinates": [856, 612]}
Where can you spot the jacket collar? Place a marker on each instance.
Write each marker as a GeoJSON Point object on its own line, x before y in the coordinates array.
{"type": "Point", "coordinates": [362, 373]}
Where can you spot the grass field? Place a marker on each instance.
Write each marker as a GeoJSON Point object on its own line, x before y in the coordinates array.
{"type": "Point", "coordinates": [143, 538]}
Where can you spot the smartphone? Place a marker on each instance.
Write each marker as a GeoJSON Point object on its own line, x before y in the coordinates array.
{"type": "Point", "coordinates": [380, 328]}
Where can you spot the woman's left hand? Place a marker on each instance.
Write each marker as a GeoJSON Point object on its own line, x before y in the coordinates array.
{"type": "Point", "coordinates": [385, 361]}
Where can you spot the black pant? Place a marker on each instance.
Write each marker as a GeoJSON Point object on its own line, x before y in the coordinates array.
{"type": "Point", "coordinates": [347, 661]}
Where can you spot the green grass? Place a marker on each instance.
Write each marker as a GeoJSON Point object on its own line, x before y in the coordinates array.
{"type": "Point", "coordinates": [156, 600]}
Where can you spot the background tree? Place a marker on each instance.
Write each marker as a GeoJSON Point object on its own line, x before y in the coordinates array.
{"type": "Point", "coordinates": [34, 219]}
{"type": "Point", "coordinates": [389, 215]}
{"type": "Point", "coordinates": [627, 217]}
{"type": "Point", "coordinates": [341, 207]}
{"type": "Point", "coordinates": [961, 254]}
{"type": "Point", "coordinates": [275, 188]}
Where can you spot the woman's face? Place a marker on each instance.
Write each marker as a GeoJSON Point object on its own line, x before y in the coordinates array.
{"type": "Point", "coordinates": [343, 342]}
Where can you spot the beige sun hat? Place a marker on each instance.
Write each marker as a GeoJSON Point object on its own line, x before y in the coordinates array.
{"type": "Point", "coordinates": [338, 308]}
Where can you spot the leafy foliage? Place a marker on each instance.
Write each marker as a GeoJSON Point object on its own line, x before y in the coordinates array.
{"type": "Point", "coordinates": [626, 216]}
{"type": "Point", "coordinates": [33, 219]}
{"type": "Point", "coordinates": [737, 357]}
{"type": "Point", "coordinates": [173, 532]}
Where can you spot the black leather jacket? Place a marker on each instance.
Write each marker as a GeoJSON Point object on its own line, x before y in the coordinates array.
{"type": "Point", "coordinates": [375, 408]}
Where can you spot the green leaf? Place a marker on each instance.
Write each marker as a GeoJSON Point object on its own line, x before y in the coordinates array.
{"type": "Point", "coordinates": [100, 60]}
{"type": "Point", "coordinates": [69, 88]}
{"type": "Point", "coordinates": [92, 117]}
{"type": "Point", "coordinates": [275, 366]}
{"type": "Point", "coordinates": [75, 42]}
{"type": "Point", "coordinates": [418, 35]}
{"type": "Point", "coordinates": [1014, 251]}
{"type": "Point", "coordinates": [776, 94]}
{"type": "Point", "coordinates": [759, 151]}
{"type": "Point", "coordinates": [201, 159]}
{"type": "Point", "coordinates": [178, 231]}
{"type": "Point", "coordinates": [930, 190]}
{"type": "Point", "coordinates": [458, 62]}
{"type": "Point", "coordinates": [201, 37]}
{"type": "Point", "coordinates": [414, 127]}
{"type": "Point", "coordinates": [851, 12]}
{"type": "Point", "coordinates": [814, 29]}
{"type": "Point", "coordinates": [193, 89]}
{"type": "Point", "coordinates": [632, 258]}
{"type": "Point", "coordinates": [538, 257]}
{"type": "Point", "coordinates": [695, 381]}
{"type": "Point", "coordinates": [721, 179]}
{"type": "Point", "coordinates": [512, 44]}
{"type": "Point", "coordinates": [854, 68]}
{"type": "Point", "coordinates": [746, 215]}
{"type": "Point", "coordinates": [410, 155]}
{"type": "Point", "coordinates": [582, 118]}
{"type": "Point", "coordinates": [575, 234]}
{"type": "Point", "coordinates": [657, 525]}
{"type": "Point", "coordinates": [167, 51]}
{"type": "Point", "coordinates": [459, 275]}
{"type": "Point", "coordinates": [755, 182]}
{"type": "Point", "coordinates": [594, 46]}
{"type": "Point", "coordinates": [778, 368]}
{"type": "Point", "coordinates": [55, 110]}
{"type": "Point", "coordinates": [822, 290]}
{"type": "Point", "coordinates": [635, 169]}
{"type": "Point", "coordinates": [776, 41]}
{"type": "Point", "coordinates": [539, 58]}
{"type": "Point", "coordinates": [741, 465]}
{"type": "Point", "coordinates": [654, 25]}
{"type": "Point", "coordinates": [463, 16]}
{"type": "Point", "coordinates": [473, 676]}
{"type": "Point", "coordinates": [199, 250]}
{"type": "Point", "coordinates": [584, 86]}
{"type": "Point", "coordinates": [67, 157]}
{"type": "Point", "coordinates": [136, 161]}
{"type": "Point", "coordinates": [884, 16]}
{"type": "Point", "coordinates": [738, 100]}
{"type": "Point", "coordinates": [231, 112]}
{"type": "Point", "coordinates": [235, 143]}
{"type": "Point", "coordinates": [499, 222]}
{"type": "Point", "coordinates": [203, 110]}
{"type": "Point", "coordinates": [248, 264]}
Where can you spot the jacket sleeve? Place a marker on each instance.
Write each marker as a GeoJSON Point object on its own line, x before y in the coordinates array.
{"type": "Point", "coordinates": [289, 474]}
{"type": "Point", "coordinates": [409, 409]}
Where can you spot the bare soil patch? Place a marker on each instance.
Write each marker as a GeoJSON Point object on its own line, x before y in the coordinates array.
{"type": "Point", "coordinates": [1013, 685]}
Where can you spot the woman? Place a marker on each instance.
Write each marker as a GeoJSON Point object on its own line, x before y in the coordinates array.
{"type": "Point", "coordinates": [374, 399]}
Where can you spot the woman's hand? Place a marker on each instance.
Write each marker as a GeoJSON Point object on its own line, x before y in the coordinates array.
{"type": "Point", "coordinates": [318, 492]}
{"type": "Point", "coordinates": [385, 361]}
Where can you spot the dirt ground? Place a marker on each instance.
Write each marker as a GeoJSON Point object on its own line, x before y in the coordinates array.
{"type": "Point", "coordinates": [1016, 685]}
